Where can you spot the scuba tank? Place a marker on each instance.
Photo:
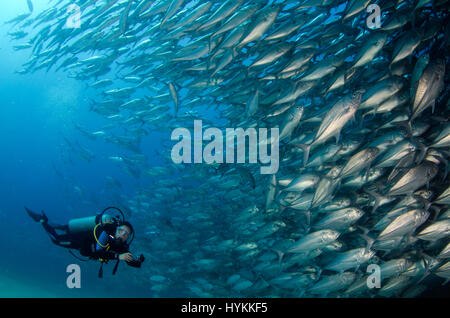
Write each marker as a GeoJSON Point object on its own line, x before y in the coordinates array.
{"type": "Point", "coordinates": [82, 225]}
{"type": "Point", "coordinates": [85, 226]}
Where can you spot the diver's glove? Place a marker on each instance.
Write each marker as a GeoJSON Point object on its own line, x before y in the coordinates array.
{"type": "Point", "coordinates": [137, 262]}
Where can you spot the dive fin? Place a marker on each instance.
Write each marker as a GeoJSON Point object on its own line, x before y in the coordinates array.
{"type": "Point", "coordinates": [44, 218]}
{"type": "Point", "coordinates": [35, 216]}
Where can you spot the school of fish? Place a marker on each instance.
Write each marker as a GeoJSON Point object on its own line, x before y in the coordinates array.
{"type": "Point", "coordinates": [363, 116]}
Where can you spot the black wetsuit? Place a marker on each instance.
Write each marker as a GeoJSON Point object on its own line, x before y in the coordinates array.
{"type": "Point", "coordinates": [106, 248]}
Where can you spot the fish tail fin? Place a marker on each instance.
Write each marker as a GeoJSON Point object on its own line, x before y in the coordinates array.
{"type": "Point", "coordinates": [444, 177]}
{"type": "Point", "coordinates": [426, 203]}
{"type": "Point", "coordinates": [437, 211]}
{"type": "Point", "coordinates": [247, 73]}
{"type": "Point", "coordinates": [306, 149]}
{"type": "Point", "coordinates": [364, 229]}
{"type": "Point", "coordinates": [427, 260]}
{"type": "Point", "coordinates": [423, 149]}
{"type": "Point", "coordinates": [370, 112]}
{"type": "Point", "coordinates": [148, 99]}
{"type": "Point", "coordinates": [280, 256]}
{"type": "Point", "coordinates": [366, 238]}
{"type": "Point", "coordinates": [282, 208]}
{"type": "Point", "coordinates": [377, 198]}
{"type": "Point", "coordinates": [319, 272]}
{"type": "Point", "coordinates": [407, 125]}
{"type": "Point", "coordinates": [403, 163]}
{"type": "Point", "coordinates": [308, 220]}
{"type": "Point", "coordinates": [369, 241]}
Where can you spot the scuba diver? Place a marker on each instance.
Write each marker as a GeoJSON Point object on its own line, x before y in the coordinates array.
{"type": "Point", "coordinates": [102, 237]}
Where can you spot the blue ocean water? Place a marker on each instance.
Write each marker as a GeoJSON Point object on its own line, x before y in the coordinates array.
{"type": "Point", "coordinates": [37, 112]}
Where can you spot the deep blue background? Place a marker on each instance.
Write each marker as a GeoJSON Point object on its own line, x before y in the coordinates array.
{"type": "Point", "coordinates": [36, 112]}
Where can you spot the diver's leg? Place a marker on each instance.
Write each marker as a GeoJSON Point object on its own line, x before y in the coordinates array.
{"type": "Point", "coordinates": [64, 227]}
{"type": "Point", "coordinates": [60, 240]}
{"type": "Point", "coordinates": [51, 229]}
{"type": "Point", "coordinates": [63, 240]}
